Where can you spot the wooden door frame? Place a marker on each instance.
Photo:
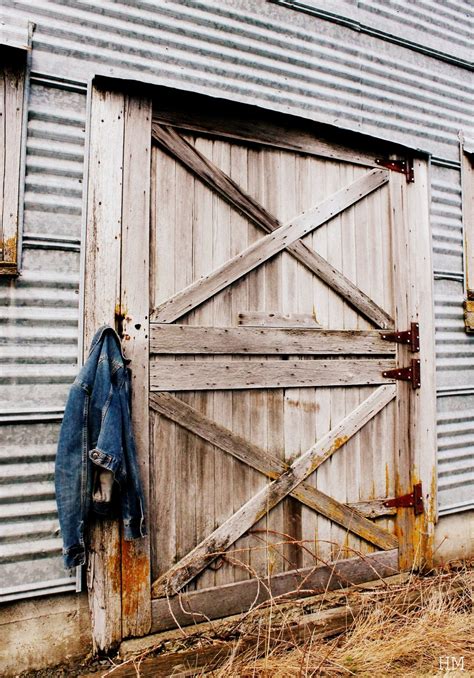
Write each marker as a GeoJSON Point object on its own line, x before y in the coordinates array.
{"type": "Point", "coordinates": [116, 288]}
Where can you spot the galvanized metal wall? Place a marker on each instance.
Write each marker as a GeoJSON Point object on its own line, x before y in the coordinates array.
{"type": "Point", "coordinates": [38, 345]}
{"type": "Point", "coordinates": [253, 51]}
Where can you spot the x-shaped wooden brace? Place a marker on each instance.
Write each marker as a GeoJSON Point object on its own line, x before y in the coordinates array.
{"type": "Point", "coordinates": [286, 479]}
{"type": "Point", "coordinates": [286, 237]}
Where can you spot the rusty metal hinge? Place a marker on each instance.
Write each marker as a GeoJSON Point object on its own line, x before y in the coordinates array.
{"type": "Point", "coordinates": [410, 337]}
{"type": "Point", "coordinates": [405, 166]}
{"type": "Point", "coordinates": [411, 373]}
{"type": "Point", "coordinates": [414, 499]}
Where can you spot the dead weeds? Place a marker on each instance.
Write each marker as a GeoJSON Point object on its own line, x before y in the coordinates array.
{"type": "Point", "coordinates": [419, 626]}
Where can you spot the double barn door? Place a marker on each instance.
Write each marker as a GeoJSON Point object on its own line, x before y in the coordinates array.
{"type": "Point", "coordinates": [261, 276]}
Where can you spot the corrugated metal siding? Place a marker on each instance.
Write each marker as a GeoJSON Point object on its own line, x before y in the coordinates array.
{"type": "Point", "coordinates": [454, 348]}
{"type": "Point", "coordinates": [38, 345]}
{"type": "Point", "coordinates": [258, 53]}
{"type": "Point", "coordinates": [14, 33]}
{"type": "Point", "coordinates": [456, 453]}
{"type": "Point", "coordinates": [441, 26]}
{"type": "Point", "coordinates": [247, 50]}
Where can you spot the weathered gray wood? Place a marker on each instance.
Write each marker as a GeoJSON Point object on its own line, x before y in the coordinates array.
{"type": "Point", "coordinates": [374, 508]}
{"type": "Point", "coordinates": [301, 137]}
{"type": "Point", "coordinates": [136, 579]}
{"type": "Point", "coordinates": [204, 375]}
{"type": "Point", "coordinates": [12, 82]}
{"type": "Point", "coordinates": [265, 248]}
{"type": "Point", "coordinates": [101, 298]}
{"type": "Point", "coordinates": [342, 285]}
{"type": "Point", "coordinates": [269, 496]}
{"type": "Point", "coordinates": [188, 608]}
{"type": "Point", "coordinates": [168, 338]}
{"type": "Point", "coordinates": [264, 319]}
{"type": "Point", "coordinates": [231, 192]}
{"type": "Point", "coordinates": [194, 421]}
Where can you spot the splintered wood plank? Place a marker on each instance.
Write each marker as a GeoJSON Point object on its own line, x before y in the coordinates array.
{"type": "Point", "coordinates": [203, 375]}
{"type": "Point", "coordinates": [136, 608]}
{"type": "Point", "coordinates": [236, 598]}
{"type": "Point", "coordinates": [236, 196]}
{"type": "Point", "coordinates": [271, 466]}
{"type": "Point", "coordinates": [273, 319]}
{"type": "Point", "coordinates": [269, 496]}
{"type": "Point", "coordinates": [102, 296]}
{"type": "Point", "coordinates": [265, 248]}
{"type": "Point", "coordinates": [167, 338]}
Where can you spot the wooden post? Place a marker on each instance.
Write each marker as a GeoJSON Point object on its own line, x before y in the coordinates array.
{"type": "Point", "coordinates": [423, 400]}
{"type": "Point", "coordinates": [136, 596]}
{"type": "Point", "coordinates": [416, 410]}
{"type": "Point", "coordinates": [101, 295]}
{"type": "Point", "coordinates": [116, 280]}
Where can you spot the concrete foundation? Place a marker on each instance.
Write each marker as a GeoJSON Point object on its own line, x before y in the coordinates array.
{"type": "Point", "coordinates": [42, 632]}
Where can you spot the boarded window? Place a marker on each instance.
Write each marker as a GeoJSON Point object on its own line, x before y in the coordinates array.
{"type": "Point", "coordinates": [12, 85]}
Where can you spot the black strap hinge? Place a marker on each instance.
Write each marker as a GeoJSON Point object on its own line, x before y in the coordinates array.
{"type": "Point", "coordinates": [405, 166]}
{"type": "Point", "coordinates": [410, 337]}
{"type": "Point", "coordinates": [411, 373]}
{"type": "Point", "coordinates": [414, 499]}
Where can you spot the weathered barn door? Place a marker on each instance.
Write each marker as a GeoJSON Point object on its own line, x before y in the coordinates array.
{"type": "Point", "coordinates": [253, 298]}
{"type": "Point", "coordinates": [278, 429]}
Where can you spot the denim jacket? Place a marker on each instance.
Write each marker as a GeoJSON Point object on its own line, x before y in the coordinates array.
{"type": "Point", "coordinates": [96, 457]}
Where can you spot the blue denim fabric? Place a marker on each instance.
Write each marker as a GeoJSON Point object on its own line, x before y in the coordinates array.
{"type": "Point", "coordinates": [96, 434]}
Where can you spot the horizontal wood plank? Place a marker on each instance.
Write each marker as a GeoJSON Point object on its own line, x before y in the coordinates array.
{"type": "Point", "coordinates": [197, 423]}
{"type": "Point", "coordinates": [271, 495]}
{"type": "Point", "coordinates": [214, 603]}
{"type": "Point", "coordinates": [264, 319]}
{"type": "Point", "coordinates": [260, 251]}
{"type": "Point", "coordinates": [206, 375]}
{"type": "Point", "coordinates": [305, 137]}
{"type": "Point", "coordinates": [175, 339]}
{"type": "Point", "coordinates": [220, 182]}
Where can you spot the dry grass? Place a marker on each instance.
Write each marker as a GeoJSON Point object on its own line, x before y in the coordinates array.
{"type": "Point", "coordinates": [377, 630]}
{"type": "Point", "coordinates": [389, 637]}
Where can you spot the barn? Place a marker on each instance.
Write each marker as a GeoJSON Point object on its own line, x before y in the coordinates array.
{"type": "Point", "coordinates": [272, 203]}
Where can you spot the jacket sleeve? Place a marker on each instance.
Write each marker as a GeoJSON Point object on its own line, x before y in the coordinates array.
{"type": "Point", "coordinates": [71, 476]}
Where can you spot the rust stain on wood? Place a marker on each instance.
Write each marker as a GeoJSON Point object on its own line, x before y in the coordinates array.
{"type": "Point", "coordinates": [135, 571]}
{"type": "Point", "coordinates": [304, 406]}
{"type": "Point", "coordinates": [9, 247]}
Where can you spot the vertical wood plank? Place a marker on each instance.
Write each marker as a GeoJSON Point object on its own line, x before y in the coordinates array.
{"type": "Point", "coordinates": [136, 596]}
{"type": "Point", "coordinates": [260, 555]}
{"type": "Point", "coordinates": [222, 400]}
{"type": "Point", "coordinates": [203, 241]}
{"type": "Point", "coordinates": [403, 440]}
{"type": "Point", "coordinates": [240, 159]}
{"type": "Point", "coordinates": [164, 524]}
{"type": "Point", "coordinates": [180, 448]}
{"type": "Point", "coordinates": [11, 120]}
{"type": "Point", "coordinates": [422, 427]}
{"type": "Point", "coordinates": [102, 295]}
{"type": "Point", "coordinates": [273, 196]}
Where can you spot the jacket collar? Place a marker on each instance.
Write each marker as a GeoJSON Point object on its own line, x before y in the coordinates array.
{"type": "Point", "coordinates": [99, 335]}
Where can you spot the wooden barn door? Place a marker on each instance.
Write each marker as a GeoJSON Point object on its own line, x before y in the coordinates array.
{"type": "Point", "coordinates": [278, 429]}
{"type": "Point", "coordinates": [252, 299]}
